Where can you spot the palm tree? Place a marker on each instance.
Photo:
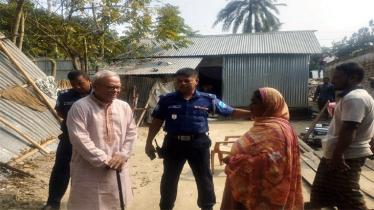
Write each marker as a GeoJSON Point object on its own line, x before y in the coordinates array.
{"type": "Point", "coordinates": [252, 15]}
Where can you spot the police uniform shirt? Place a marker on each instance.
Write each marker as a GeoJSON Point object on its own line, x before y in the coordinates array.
{"type": "Point", "coordinates": [65, 99]}
{"type": "Point", "coordinates": [188, 117]}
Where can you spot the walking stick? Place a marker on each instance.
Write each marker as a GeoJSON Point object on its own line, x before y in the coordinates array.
{"type": "Point", "coordinates": [120, 190]}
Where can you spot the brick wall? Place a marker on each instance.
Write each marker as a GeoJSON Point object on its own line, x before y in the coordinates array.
{"type": "Point", "coordinates": [364, 58]}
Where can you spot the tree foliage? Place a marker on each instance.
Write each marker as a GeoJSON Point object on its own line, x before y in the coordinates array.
{"type": "Point", "coordinates": [252, 15]}
{"type": "Point", "coordinates": [88, 29]}
{"type": "Point", "coordinates": [360, 40]}
{"type": "Point", "coordinates": [169, 25]}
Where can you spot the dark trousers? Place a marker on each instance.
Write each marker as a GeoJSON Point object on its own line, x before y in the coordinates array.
{"type": "Point", "coordinates": [321, 103]}
{"type": "Point", "coordinates": [59, 180]}
{"type": "Point", "coordinates": [335, 188]}
{"type": "Point", "coordinates": [196, 153]}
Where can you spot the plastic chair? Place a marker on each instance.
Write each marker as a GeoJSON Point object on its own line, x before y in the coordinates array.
{"type": "Point", "coordinates": [221, 147]}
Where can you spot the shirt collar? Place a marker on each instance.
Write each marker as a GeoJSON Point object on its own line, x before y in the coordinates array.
{"type": "Point", "coordinates": [344, 93]}
{"type": "Point", "coordinates": [89, 92]}
{"type": "Point", "coordinates": [100, 103]}
{"type": "Point", "coordinates": [195, 94]}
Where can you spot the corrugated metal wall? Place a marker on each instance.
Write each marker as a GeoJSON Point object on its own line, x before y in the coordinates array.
{"type": "Point", "coordinates": [63, 67]}
{"type": "Point", "coordinates": [286, 73]}
{"type": "Point", "coordinates": [143, 87]}
{"type": "Point", "coordinates": [37, 125]}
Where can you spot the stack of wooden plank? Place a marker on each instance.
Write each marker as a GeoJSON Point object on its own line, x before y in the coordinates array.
{"type": "Point", "coordinates": [309, 163]}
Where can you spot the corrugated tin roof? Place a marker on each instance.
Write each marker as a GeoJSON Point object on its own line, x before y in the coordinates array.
{"type": "Point", "coordinates": [37, 125]}
{"type": "Point", "coordinates": [153, 65]}
{"type": "Point", "coordinates": [282, 42]}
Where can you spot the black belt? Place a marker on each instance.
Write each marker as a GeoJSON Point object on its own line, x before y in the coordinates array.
{"type": "Point", "coordinates": [186, 137]}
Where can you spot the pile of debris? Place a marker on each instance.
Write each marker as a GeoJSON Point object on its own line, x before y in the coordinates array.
{"type": "Point", "coordinates": [319, 132]}
{"type": "Point", "coordinates": [312, 86]}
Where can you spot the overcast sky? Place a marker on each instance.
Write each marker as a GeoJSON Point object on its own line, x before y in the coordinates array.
{"type": "Point", "coordinates": [332, 19]}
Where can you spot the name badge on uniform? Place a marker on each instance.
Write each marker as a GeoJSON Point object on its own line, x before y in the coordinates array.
{"type": "Point", "coordinates": [175, 107]}
{"type": "Point", "coordinates": [200, 107]}
{"type": "Point", "coordinates": [174, 116]}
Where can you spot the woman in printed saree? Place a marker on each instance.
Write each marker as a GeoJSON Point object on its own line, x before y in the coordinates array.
{"type": "Point", "coordinates": [263, 169]}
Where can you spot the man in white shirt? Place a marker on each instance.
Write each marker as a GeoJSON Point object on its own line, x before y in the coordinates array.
{"type": "Point", "coordinates": [102, 131]}
{"type": "Point", "coordinates": [329, 58]}
{"type": "Point", "coordinates": [346, 145]}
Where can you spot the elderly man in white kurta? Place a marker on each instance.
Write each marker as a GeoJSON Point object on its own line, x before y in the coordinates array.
{"type": "Point", "coordinates": [102, 132]}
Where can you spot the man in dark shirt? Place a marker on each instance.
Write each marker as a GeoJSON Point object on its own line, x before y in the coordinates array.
{"type": "Point", "coordinates": [60, 175]}
{"type": "Point", "coordinates": [185, 113]}
{"type": "Point", "coordinates": [324, 93]}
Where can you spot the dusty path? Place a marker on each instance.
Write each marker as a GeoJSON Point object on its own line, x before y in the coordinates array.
{"type": "Point", "coordinates": [31, 193]}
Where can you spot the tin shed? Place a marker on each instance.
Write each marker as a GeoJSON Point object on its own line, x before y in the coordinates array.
{"type": "Point", "coordinates": [236, 65]}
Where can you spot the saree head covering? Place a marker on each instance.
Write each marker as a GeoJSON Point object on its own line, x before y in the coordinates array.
{"type": "Point", "coordinates": [274, 103]}
{"type": "Point", "coordinates": [264, 169]}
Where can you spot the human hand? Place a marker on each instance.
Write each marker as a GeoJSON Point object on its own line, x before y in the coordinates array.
{"type": "Point", "coordinates": [150, 151]}
{"type": "Point", "coordinates": [337, 163]}
{"type": "Point", "coordinates": [116, 162]}
{"type": "Point", "coordinates": [226, 159]}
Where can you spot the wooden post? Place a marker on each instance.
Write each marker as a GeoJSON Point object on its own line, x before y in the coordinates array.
{"type": "Point", "coordinates": [53, 62]}
{"type": "Point", "coordinates": [24, 135]}
{"type": "Point", "coordinates": [5, 50]}
{"type": "Point", "coordinates": [132, 97]}
{"type": "Point", "coordinates": [135, 102]}
{"type": "Point", "coordinates": [311, 128]}
{"type": "Point", "coordinates": [146, 105]}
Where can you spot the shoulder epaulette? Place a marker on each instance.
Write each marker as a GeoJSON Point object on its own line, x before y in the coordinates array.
{"type": "Point", "coordinates": [63, 92]}
{"type": "Point", "coordinates": [208, 95]}
{"type": "Point", "coordinates": [167, 95]}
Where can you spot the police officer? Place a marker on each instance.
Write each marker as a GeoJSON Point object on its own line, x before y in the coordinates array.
{"type": "Point", "coordinates": [60, 175]}
{"type": "Point", "coordinates": [185, 113]}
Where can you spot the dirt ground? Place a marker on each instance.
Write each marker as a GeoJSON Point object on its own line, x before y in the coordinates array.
{"type": "Point", "coordinates": [18, 192]}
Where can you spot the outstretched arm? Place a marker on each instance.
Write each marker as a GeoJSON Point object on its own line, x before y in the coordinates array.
{"type": "Point", "coordinates": [241, 113]}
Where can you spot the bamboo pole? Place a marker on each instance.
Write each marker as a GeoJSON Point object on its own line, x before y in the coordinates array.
{"type": "Point", "coordinates": [24, 135]}
{"type": "Point", "coordinates": [311, 128]}
{"type": "Point", "coordinates": [23, 157]}
{"type": "Point", "coordinates": [5, 50]}
{"type": "Point", "coordinates": [146, 105]}
{"type": "Point", "coordinates": [16, 170]}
